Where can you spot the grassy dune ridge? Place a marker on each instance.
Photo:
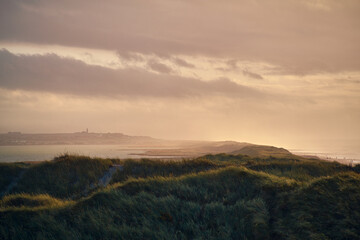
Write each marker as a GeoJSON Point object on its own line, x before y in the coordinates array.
{"type": "Point", "coordinates": [211, 197]}
{"type": "Point", "coordinates": [23, 201]}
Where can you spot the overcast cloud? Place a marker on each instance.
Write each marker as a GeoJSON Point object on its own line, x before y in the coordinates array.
{"type": "Point", "coordinates": [51, 73]}
{"type": "Point", "coordinates": [302, 36]}
{"type": "Point", "coordinates": [282, 72]}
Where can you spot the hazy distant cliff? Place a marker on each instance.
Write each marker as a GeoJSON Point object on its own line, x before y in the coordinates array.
{"type": "Point", "coordinates": [16, 138]}
{"type": "Point", "coordinates": [155, 147]}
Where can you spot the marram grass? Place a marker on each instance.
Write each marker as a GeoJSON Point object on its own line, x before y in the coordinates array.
{"type": "Point", "coordinates": [211, 197]}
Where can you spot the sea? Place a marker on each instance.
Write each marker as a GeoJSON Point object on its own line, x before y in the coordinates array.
{"type": "Point", "coordinates": [49, 152]}
{"type": "Point", "coordinates": [345, 157]}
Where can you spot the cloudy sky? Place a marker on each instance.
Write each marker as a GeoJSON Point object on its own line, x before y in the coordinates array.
{"type": "Point", "coordinates": [279, 72]}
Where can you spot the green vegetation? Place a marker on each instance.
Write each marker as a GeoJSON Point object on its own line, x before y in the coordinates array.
{"type": "Point", "coordinates": [263, 151]}
{"type": "Point", "coordinates": [64, 177]}
{"type": "Point", "coordinates": [9, 172]}
{"type": "Point", "coordinates": [210, 197]}
{"type": "Point", "coordinates": [328, 208]}
{"type": "Point", "coordinates": [30, 202]}
{"type": "Point", "coordinates": [148, 168]}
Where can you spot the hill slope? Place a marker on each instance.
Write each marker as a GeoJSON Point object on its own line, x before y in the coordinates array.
{"type": "Point", "coordinates": [210, 197]}
{"type": "Point", "coordinates": [262, 151]}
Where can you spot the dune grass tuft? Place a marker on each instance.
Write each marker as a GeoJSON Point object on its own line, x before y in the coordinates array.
{"type": "Point", "coordinates": [211, 197]}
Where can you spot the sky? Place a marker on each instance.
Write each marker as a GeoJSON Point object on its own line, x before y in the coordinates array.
{"type": "Point", "coordinates": [277, 72]}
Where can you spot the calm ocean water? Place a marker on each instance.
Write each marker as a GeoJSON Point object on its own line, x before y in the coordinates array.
{"type": "Point", "coordinates": [48, 152]}
{"type": "Point", "coordinates": [345, 157]}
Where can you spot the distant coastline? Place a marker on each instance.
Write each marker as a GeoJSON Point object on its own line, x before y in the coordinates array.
{"type": "Point", "coordinates": [341, 157]}
{"type": "Point", "coordinates": [119, 145]}
{"type": "Point", "coordinates": [77, 138]}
